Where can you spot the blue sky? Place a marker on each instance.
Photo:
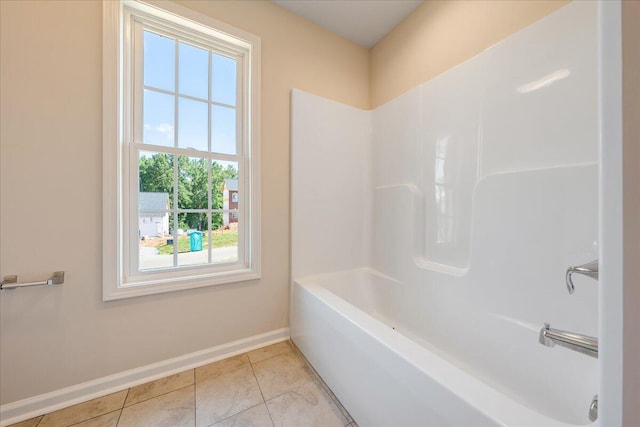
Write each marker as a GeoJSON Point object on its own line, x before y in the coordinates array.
{"type": "Point", "coordinates": [193, 79]}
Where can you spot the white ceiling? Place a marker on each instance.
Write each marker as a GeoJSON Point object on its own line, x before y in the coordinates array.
{"type": "Point", "coordinates": [361, 21]}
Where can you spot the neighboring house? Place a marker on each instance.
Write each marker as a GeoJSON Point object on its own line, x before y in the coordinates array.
{"type": "Point", "coordinates": [230, 200]}
{"type": "Point", "coordinates": [154, 215]}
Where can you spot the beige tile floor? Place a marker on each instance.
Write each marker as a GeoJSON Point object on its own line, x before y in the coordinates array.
{"type": "Point", "coordinates": [271, 386]}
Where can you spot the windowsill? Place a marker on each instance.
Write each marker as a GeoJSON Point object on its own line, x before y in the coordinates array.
{"type": "Point", "coordinates": [138, 289]}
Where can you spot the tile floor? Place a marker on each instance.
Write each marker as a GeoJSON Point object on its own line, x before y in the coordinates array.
{"type": "Point", "coordinates": [271, 386]}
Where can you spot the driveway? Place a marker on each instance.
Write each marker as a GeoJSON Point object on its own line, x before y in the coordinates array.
{"type": "Point", "coordinates": [149, 257]}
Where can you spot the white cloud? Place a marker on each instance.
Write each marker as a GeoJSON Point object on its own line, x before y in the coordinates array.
{"type": "Point", "coordinates": [163, 128]}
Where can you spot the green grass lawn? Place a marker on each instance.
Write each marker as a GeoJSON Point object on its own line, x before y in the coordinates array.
{"type": "Point", "coordinates": [227, 238]}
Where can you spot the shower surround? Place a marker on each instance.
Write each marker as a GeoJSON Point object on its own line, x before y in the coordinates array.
{"type": "Point", "coordinates": [430, 236]}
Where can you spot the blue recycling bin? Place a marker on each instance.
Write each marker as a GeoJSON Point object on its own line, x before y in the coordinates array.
{"type": "Point", "coordinates": [195, 241]}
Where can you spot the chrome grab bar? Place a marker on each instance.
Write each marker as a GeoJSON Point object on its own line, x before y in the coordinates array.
{"type": "Point", "coordinates": [589, 269]}
{"type": "Point", "coordinates": [11, 282]}
{"type": "Point", "coordinates": [581, 343]}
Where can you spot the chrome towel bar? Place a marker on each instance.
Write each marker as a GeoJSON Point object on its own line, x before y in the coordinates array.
{"type": "Point", "coordinates": [11, 282]}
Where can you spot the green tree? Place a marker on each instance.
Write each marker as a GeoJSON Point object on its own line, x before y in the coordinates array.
{"type": "Point", "coordinates": [156, 174]}
{"type": "Point", "coordinates": [195, 177]}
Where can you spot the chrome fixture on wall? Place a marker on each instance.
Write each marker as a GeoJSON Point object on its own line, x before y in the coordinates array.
{"type": "Point", "coordinates": [589, 269]}
{"type": "Point", "coordinates": [581, 343]}
{"type": "Point", "coordinates": [11, 282]}
{"type": "Point", "coordinates": [593, 409]}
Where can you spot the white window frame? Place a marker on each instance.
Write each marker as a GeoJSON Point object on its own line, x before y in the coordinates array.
{"type": "Point", "coordinates": [119, 187]}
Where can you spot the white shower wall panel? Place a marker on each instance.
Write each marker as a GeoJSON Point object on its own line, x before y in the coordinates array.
{"type": "Point", "coordinates": [330, 186]}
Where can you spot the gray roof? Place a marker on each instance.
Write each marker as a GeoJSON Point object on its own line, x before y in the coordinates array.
{"type": "Point", "coordinates": [153, 204]}
{"type": "Point", "coordinates": [231, 184]}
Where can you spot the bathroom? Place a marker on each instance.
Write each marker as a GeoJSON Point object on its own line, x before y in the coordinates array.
{"type": "Point", "coordinates": [65, 344]}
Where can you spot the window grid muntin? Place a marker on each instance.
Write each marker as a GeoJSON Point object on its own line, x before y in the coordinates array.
{"type": "Point", "coordinates": [190, 210]}
{"type": "Point", "coordinates": [136, 146]}
{"type": "Point", "coordinates": [191, 97]}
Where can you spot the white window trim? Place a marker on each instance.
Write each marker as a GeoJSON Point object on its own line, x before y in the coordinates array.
{"type": "Point", "coordinates": [114, 241]}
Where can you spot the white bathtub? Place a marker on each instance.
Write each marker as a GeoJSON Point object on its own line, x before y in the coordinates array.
{"type": "Point", "coordinates": [391, 377]}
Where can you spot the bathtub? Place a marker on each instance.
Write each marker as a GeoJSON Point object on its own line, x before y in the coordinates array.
{"type": "Point", "coordinates": [384, 374]}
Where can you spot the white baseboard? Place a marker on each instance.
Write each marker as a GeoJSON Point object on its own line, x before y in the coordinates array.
{"type": "Point", "coordinates": [21, 410]}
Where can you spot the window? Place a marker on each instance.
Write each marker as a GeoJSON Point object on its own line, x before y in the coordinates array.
{"type": "Point", "coordinates": [180, 135]}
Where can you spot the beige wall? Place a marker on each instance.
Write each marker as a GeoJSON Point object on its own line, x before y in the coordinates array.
{"type": "Point", "coordinates": [51, 201]}
{"type": "Point", "coordinates": [441, 34]}
{"type": "Point", "coordinates": [631, 223]}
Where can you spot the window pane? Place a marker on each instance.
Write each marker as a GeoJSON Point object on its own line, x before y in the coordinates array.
{"type": "Point", "coordinates": [193, 124]}
{"type": "Point", "coordinates": [224, 183]}
{"type": "Point", "coordinates": [153, 232]}
{"type": "Point", "coordinates": [224, 246]}
{"type": "Point", "coordinates": [223, 132]}
{"type": "Point", "coordinates": [224, 80]}
{"type": "Point", "coordinates": [155, 171]}
{"type": "Point", "coordinates": [193, 72]}
{"type": "Point", "coordinates": [194, 246]}
{"type": "Point", "coordinates": [193, 186]}
{"type": "Point", "coordinates": [158, 119]}
{"type": "Point", "coordinates": [225, 224]}
{"type": "Point", "coordinates": [159, 61]}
